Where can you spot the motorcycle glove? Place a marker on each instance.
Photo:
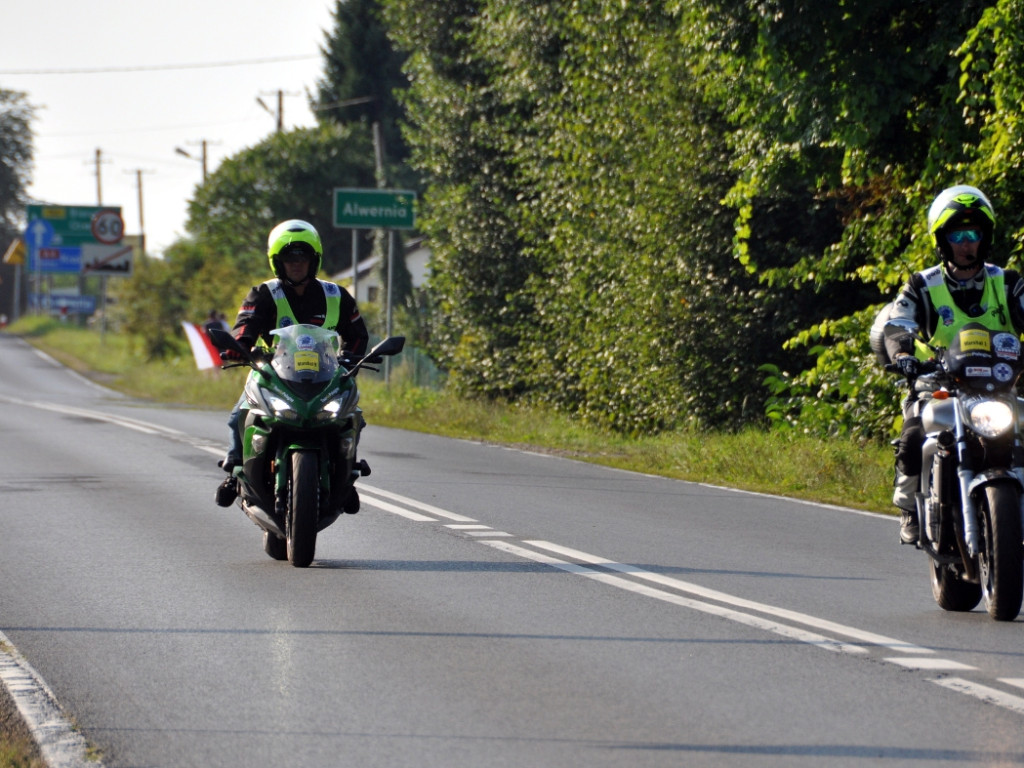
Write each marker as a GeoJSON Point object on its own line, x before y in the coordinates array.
{"type": "Point", "coordinates": [908, 366]}
{"type": "Point", "coordinates": [231, 356]}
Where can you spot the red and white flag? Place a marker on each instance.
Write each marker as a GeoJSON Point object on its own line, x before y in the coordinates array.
{"type": "Point", "coordinates": [203, 351]}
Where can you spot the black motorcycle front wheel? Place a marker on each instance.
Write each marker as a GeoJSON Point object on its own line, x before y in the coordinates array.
{"type": "Point", "coordinates": [999, 564]}
{"type": "Point", "coordinates": [303, 503]}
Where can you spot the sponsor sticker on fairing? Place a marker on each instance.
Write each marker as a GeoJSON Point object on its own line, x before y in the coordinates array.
{"type": "Point", "coordinates": [1007, 346]}
{"type": "Point", "coordinates": [978, 370]}
{"type": "Point", "coordinates": [975, 340]}
{"type": "Point", "coordinates": [1002, 372]}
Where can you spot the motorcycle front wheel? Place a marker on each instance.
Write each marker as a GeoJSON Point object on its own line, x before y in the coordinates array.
{"type": "Point", "coordinates": [303, 503]}
{"type": "Point", "coordinates": [999, 563]}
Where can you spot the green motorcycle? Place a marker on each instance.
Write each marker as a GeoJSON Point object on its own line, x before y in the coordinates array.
{"type": "Point", "coordinates": [301, 430]}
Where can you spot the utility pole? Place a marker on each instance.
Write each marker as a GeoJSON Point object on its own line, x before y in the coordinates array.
{"type": "Point", "coordinates": [279, 114]}
{"type": "Point", "coordinates": [99, 181]}
{"type": "Point", "coordinates": [202, 159]}
{"type": "Point", "coordinates": [142, 222]}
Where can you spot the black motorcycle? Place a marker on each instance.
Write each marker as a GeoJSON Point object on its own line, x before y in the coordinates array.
{"type": "Point", "coordinates": [969, 503]}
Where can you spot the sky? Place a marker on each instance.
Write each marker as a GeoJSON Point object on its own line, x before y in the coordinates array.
{"type": "Point", "coordinates": [137, 79]}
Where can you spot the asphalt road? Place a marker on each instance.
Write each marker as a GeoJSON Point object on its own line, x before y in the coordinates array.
{"type": "Point", "coordinates": [486, 607]}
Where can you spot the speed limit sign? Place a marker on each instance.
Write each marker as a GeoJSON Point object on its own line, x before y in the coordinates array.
{"type": "Point", "coordinates": [108, 226]}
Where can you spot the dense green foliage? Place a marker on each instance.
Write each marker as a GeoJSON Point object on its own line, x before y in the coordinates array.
{"type": "Point", "coordinates": [650, 215]}
{"type": "Point", "coordinates": [635, 208]}
{"type": "Point", "coordinates": [15, 172]}
{"type": "Point", "coordinates": [362, 75]}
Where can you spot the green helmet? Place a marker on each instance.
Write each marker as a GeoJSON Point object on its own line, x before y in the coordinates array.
{"type": "Point", "coordinates": [296, 234]}
{"type": "Point", "coordinates": [961, 207]}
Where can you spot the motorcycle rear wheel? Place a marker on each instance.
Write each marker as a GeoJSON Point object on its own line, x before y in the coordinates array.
{"type": "Point", "coordinates": [303, 503]}
{"type": "Point", "coordinates": [950, 591]}
{"type": "Point", "coordinates": [1000, 564]}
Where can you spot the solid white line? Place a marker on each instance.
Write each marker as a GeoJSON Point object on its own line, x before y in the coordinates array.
{"type": "Point", "coordinates": [60, 744]}
{"type": "Point", "coordinates": [712, 594]}
{"type": "Point", "coordinates": [428, 508]}
{"type": "Point", "coordinates": [750, 620]}
{"type": "Point", "coordinates": [983, 692]}
{"type": "Point", "coordinates": [1017, 681]}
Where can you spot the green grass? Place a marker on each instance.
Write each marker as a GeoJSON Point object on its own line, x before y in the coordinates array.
{"type": "Point", "coordinates": [841, 472]}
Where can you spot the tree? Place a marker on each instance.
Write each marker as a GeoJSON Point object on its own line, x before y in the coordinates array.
{"type": "Point", "coordinates": [362, 74]}
{"type": "Point", "coordinates": [15, 173]}
{"type": "Point", "coordinates": [290, 175]}
{"type": "Point", "coordinates": [15, 160]}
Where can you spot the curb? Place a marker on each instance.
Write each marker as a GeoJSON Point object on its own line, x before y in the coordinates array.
{"type": "Point", "coordinates": [60, 745]}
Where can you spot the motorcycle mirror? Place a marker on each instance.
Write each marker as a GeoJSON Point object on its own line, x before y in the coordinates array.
{"type": "Point", "coordinates": [223, 340]}
{"type": "Point", "coordinates": [901, 325]}
{"type": "Point", "coordinates": [390, 346]}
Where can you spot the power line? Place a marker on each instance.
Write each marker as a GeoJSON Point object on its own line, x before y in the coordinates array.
{"type": "Point", "coordinates": [157, 67]}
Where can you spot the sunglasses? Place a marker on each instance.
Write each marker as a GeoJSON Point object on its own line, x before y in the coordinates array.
{"type": "Point", "coordinates": [963, 236]}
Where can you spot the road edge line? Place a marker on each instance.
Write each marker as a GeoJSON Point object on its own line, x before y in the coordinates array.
{"type": "Point", "coordinates": [60, 744]}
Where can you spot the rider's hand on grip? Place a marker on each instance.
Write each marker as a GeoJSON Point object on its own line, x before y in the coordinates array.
{"type": "Point", "coordinates": [908, 365]}
{"type": "Point", "coordinates": [231, 356]}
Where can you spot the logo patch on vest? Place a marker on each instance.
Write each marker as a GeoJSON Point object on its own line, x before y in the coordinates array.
{"type": "Point", "coordinates": [285, 321]}
{"type": "Point", "coordinates": [946, 313]}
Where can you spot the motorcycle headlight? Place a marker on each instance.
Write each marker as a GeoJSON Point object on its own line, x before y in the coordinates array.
{"type": "Point", "coordinates": [991, 418]}
{"type": "Point", "coordinates": [333, 409]}
{"type": "Point", "coordinates": [282, 409]}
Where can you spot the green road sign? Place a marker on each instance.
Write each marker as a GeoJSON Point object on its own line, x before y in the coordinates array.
{"type": "Point", "coordinates": [374, 208]}
{"type": "Point", "coordinates": [56, 234]}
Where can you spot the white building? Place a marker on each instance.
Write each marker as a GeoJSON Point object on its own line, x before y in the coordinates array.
{"type": "Point", "coordinates": [368, 287]}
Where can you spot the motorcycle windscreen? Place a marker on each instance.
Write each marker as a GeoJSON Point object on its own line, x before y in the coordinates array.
{"type": "Point", "coordinates": [306, 354]}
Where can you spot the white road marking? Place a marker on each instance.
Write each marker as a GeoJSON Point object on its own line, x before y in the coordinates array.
{"type": "Point", "coordinates": [716, 610]}
{"type": "Point", "coordinates": [394, 509]}
{"type": "Point", "coordinates": [428, 508]}
{"type": "Point", "coordinates": [61, 745]}
{"type": "Point", "coordinates": [929, 663]}
{"type": "Point", "coordinates": [983, 692]}
{"type": "Point", "coordinates": [1017, 681]}
{"type": "Point", "coordinates": [739, 602]}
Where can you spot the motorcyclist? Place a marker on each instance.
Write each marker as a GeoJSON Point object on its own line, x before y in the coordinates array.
{"type": "Point", "coordinates": [294, 296]}
{"type": "Point", "coordinates": [963, 288]}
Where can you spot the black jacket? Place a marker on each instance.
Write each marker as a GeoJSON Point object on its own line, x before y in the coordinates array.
{"type": "Point", "coordinates": [257, 316]}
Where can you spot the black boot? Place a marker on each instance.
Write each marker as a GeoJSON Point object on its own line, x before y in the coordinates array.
{"type": "Point", "coordinates": [910, 531]}
{"type": "Point", "coordinates": [351, 505]}
{"type": "Point", "coordinates": [227, 491]}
